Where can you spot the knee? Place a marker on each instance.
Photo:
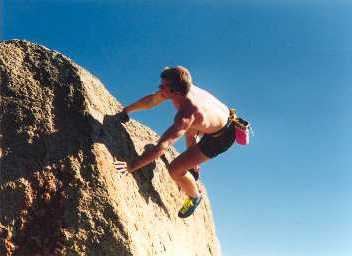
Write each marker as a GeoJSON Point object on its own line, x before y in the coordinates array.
{"type": "Point", "coordinates": [175, 172]}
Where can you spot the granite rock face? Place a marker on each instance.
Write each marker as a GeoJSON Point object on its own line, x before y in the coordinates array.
{"type": "Point", "coordinates": [59, 191]}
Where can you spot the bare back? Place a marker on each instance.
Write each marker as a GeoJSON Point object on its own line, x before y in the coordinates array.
{"type": "Point", "coordinates": [209, 112]}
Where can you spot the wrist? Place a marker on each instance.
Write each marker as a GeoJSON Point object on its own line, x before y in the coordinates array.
{"type": "Point", "coordinates": [124, 117]}
{"type": "Point", "coordinates": [130, 167]}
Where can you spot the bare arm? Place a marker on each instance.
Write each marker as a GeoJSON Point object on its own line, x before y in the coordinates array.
{"type": "Point", "coordinates": [180, 126]}
{"type": "Point", "coordinates": [146, 102]}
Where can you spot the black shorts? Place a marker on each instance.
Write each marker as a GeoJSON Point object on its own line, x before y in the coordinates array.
{"type": "Point", "coordinates": [213, 144]}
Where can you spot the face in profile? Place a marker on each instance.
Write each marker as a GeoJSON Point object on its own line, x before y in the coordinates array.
{"type": "Point", "coordinates": [165, 88]}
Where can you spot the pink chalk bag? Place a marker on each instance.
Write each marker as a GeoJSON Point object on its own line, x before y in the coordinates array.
{"type": "Point", "coordinates": [242, 128]}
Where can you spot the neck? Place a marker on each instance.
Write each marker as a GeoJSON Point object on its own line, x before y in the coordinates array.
{"type": "Point", "coordinates": [180, 100]}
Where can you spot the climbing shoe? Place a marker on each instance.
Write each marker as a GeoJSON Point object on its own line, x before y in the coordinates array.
{"type": "Point", "coordinates": [189, 206]}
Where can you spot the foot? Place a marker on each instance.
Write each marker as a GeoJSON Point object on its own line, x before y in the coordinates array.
{"type": "Point", "coordinates": [189, 206]}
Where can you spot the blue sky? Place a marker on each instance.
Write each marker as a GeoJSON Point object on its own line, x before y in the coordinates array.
{"type": "Point", "coordinates": [286, 66]}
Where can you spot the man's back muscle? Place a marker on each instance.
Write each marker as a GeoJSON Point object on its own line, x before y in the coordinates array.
{"type": "Point", "coordinates": [209, 112]}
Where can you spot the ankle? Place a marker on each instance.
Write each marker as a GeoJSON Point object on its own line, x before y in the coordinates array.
{"type": "Point", "coordinates": [197, 196]}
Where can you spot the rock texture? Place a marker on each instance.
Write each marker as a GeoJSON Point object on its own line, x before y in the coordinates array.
{"type": "Point", "coordinates": [59, 191]}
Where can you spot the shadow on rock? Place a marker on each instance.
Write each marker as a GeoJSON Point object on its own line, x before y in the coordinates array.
{"type": "Point", "coordinates": [39, 225]}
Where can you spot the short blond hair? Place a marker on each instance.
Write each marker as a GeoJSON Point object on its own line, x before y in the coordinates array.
{"type": "Point", "coordinates": [180, 78]}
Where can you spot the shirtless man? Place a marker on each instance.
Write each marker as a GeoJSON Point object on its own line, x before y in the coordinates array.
{"type": "Point", "coordinates": [198, 112]}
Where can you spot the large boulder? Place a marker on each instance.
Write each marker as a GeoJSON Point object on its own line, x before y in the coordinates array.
{"type": "Point", "coordinates": [59, 191]}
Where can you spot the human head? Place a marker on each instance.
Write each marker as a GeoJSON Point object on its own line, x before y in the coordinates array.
{"type": "Point", "coordinates": [180, 79]}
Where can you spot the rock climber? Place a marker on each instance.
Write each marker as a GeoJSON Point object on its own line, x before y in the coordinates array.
{"type": "Point", "coordinates": [198, 113]}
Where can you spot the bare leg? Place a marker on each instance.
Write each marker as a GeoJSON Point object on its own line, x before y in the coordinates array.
{"type": "Point", "coordinates": [183, 162]}
{"type": "Point", "coordinates": [188, 185]}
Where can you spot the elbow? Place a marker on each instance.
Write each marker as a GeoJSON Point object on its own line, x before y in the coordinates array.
{"type": "Point", "coordinates": [147, 105]}
{"type": "Point", "coordinates": [148, 102]}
